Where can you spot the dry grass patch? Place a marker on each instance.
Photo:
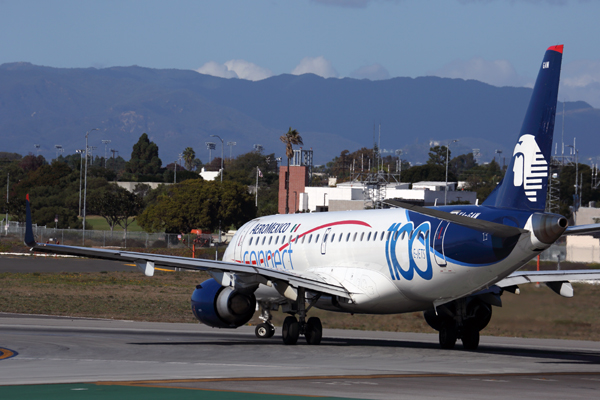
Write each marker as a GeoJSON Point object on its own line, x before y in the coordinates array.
{"type": "Point", "coordinates": [537, 312]}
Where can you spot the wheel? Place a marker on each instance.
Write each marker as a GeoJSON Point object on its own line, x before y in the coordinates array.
{"type": "Point", "coordinates": [264, 331]}
{"type": "Point", "coordinates": [470, 339]}
{"type": "Point", "coordinates": [447, 337]}
{"type": "Point", "coordinates": [290, 330]}
{"type": "Point", "coordinates": [313, 331]}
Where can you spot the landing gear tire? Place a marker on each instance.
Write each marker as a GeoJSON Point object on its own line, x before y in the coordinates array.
{"type": "Point", "coordinates": [470, 339]}
{"type": "Point", "coordinates": [290, 330]}
{"type": "Point", "coordinates": [448, 336]}
{"type": "Point", "coordinates": [264, 331]}
{"type": "Point", "coordinates": [313, 331]}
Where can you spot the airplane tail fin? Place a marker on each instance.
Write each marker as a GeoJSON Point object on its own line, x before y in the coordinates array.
{"type": "Point", "coordinates": [526, 180]}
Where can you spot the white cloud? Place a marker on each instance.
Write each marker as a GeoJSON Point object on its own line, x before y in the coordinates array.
{"type": "Point", "coordinates": [235, 69]}
{"type": "Point", "coordinates": [248, 70]}
{"type": "Point", "coordinates": [373, 72]}
{"type": "Point", "coordinates": [497, 72]}
{"type": "Point", "coordinates": [580, 80]}
{"type": "Point", "coordinates": [315, 65]}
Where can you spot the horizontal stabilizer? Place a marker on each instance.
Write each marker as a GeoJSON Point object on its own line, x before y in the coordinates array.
{"type": "Point", "coordinates": [521, 277]}
{"type": "Point", "coordinates": [582, 229]}
{"type": "Point", "coordinates": [493, 228]}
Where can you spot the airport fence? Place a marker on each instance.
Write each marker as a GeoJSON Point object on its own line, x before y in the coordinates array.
{"type": "Point", "coordinates": [102, 238]}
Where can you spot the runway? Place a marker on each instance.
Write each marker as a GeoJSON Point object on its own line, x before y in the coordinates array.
{"type": "Point", "coordinates": [348, 364]}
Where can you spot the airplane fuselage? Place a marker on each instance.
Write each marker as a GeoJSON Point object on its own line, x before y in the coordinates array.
{"type": "Point", "coordinates": [392, 260]}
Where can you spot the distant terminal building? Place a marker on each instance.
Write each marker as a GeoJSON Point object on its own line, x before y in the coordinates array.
{"type": "Point", "coordinates": [355, 195]}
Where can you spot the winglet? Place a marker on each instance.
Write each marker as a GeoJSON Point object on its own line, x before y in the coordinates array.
{"type": "Point", "coordinates": [558, 48]}
{"type": "Point", "coordinates": [29, 238]}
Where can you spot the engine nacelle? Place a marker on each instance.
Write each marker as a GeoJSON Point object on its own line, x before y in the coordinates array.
{"type": "Point", "coordinates": [222, 307]}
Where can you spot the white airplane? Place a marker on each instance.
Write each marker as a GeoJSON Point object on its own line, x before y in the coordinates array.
{"type": "Point", "coordinates": [451, 262]}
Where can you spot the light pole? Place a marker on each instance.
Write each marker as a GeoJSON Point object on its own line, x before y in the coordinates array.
{"type": "Point", "coordinates": [7, 185]}
{"type": "Point", "coordinates": [85, 179]}
{"type": "Point", "coordinates": [219, 137]}
{"type": "Point", "coordinates": [231, 144]}
{"type": "Point", "coordinates": [59, 149]}
{"type": "Point", "coordinates": [80, 151]}
{"type": "Point", "coordinates": [210, 146]}
{"type": "Point", "coordinates": [105, 143]}
{"type": "Point", "coordinates": [447, 161]}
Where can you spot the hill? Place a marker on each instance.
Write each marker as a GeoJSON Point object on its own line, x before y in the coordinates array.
{"type": "Point", "coordinates": [179, 108]}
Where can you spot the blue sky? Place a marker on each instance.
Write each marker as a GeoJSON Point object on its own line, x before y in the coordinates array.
{"type": "Point", "coordinates": [500, 42]}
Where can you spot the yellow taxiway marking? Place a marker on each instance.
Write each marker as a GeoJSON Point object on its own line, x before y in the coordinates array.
{"type": "Point", "coordinates": [157, 269]}
{"type": "Point", "coordinates": [6, 353]}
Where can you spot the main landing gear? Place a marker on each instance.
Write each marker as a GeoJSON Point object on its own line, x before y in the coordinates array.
{"type": "Point", "coordinates": [293, 327]}
{"type": "Point", "coordinates": [460, 319]}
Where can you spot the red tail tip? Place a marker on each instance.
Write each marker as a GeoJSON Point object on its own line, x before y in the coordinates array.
{"type": "Point", "coordinates": [558, 48]}
{"type": "Point", "coordinates": [27, 196]}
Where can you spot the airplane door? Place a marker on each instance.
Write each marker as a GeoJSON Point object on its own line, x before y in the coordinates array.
{"type": "Point", "coordinates": [239, 246]}
{"type": "Point", "coordinates": [438, 243]}
{"type": "Point", "coordinates": [324, 242]}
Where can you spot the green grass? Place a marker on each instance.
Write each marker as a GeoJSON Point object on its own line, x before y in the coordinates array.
{"type": "Point", "coordinates": [99, 224]}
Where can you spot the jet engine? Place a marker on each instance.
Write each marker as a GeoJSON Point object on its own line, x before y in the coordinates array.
{"type": "Point", "coordinates": [222, 307]}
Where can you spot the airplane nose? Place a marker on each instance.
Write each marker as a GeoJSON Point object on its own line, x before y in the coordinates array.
{"type": "Point", "coordinates": [548, 227]}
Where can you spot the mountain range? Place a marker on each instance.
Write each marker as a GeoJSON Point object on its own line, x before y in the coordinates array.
{"type": "Point", "coordinates": [181, 108]}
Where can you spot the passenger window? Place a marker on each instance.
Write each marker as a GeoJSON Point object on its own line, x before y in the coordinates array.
{"type": "Point", "coordinates": [310, 238]}
{"type": "Point", "coordinates": [276, 239]}
{"type": "Point", "coordinates": [303, 239]}
{"type": "Point", "coordinates": [324, 238]}
{"type": "Point", "coordinates": [362, 235]}
{"type": "Point", "coordinates": [354, 238]}
{"type": "Point", "coordinates": [388, 235]}
{"type": "Point", "coordinates": [263, 241]}
{"type": "Point", "coordinates": [250, 242]}
{"type": "Point", "coordinates": [270, 239]}
{"type": "Point", "coordinates": [369, 236]}
{"type": "Point", "coordinates": [297, 236]}
{"type": "Point", "coordinates": [403, 235]}
{"type": "Point", "coordinates": [317, 239]}
{"type": "Point", "coordinates": [382, 235]}
{"type": "Point", "coordinates": [341, 236]}
{"type": "Point", "coordinates": [332, 237]}
{"type": "Point", "coordinates": [348, 237]}
{"type": "Point", "coordinates": [396, 235]}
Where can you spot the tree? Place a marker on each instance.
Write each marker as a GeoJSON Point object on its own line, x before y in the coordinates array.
{"type": "Point", "coordinates": [292, 137]}
{"type": "Point", "coordinates": [188, 157]}
{"type": "Point", "coordinates": [197, 204]}
{"type": "Point", "coordinates": [144, 158]}
{"type": "Point", "coordinates": [116, 205]}
{"type": "Point", "coordinates": [31, 162]}
{"type": "Point", "coordinates": [437, 155]}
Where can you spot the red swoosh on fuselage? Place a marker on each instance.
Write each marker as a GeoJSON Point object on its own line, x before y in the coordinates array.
{"type": "Point", "coordinates": [347, 222]}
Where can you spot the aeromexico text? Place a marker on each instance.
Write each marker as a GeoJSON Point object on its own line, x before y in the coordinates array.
{"type": "Point", "coordinates": [271, 228]}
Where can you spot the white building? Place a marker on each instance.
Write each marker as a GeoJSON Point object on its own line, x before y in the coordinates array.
{"type": "Point", "coordinates": [351, 196]}
{"type": "Point", "coordinates": [209, 175]}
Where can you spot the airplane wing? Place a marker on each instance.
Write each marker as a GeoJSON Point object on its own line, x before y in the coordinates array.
{"type": "Point", "coordinates": [147, 262]}
{"type": "Point", "coordinates": [493, 228]}
{"type": "Point", "coordinates": [281, 279]}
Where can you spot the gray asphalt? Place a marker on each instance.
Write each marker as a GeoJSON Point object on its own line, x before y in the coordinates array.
{"type": "Point", "coordinates": [356, 364]}
{"type": "Point", "coordinates": [29, 264]}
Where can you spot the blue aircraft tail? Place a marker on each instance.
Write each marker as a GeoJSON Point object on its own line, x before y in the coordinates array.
{"type": "Point", "coordinates": [526, 180]}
